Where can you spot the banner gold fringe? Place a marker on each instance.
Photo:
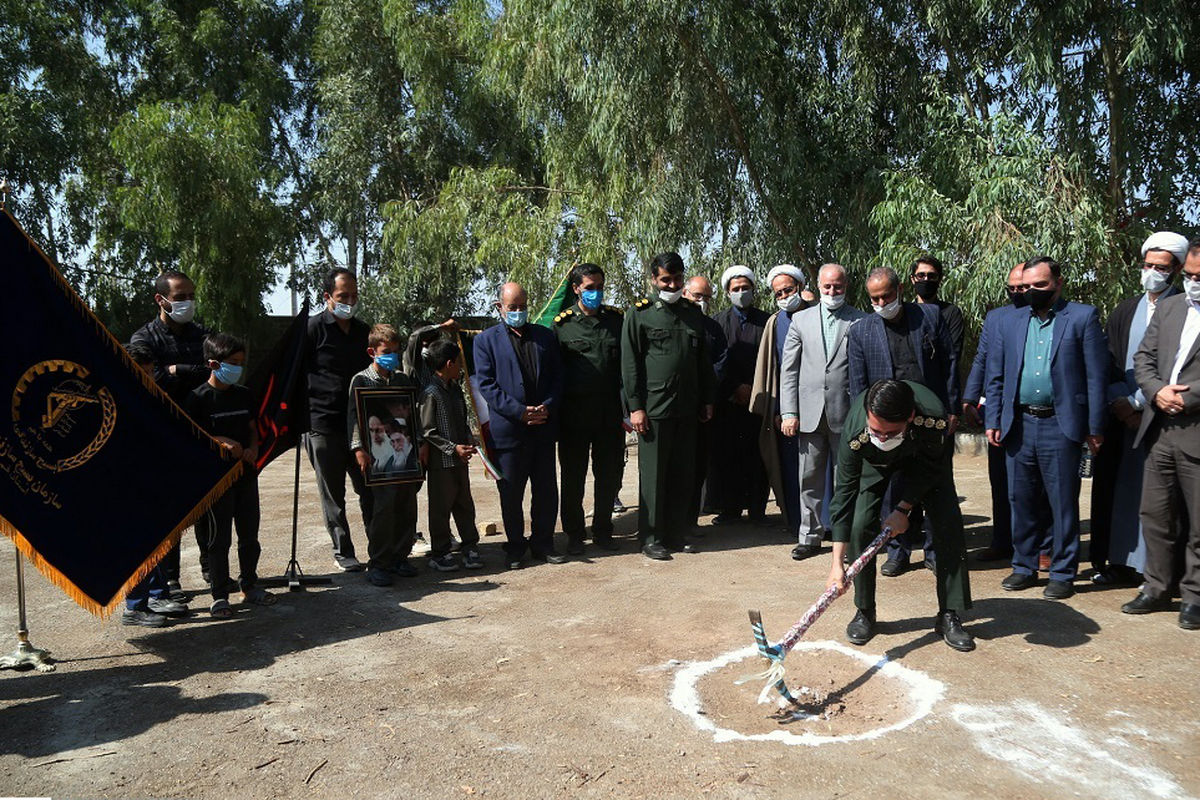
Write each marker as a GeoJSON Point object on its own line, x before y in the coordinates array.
{"type": "Point", "coordinates": [235, 472]}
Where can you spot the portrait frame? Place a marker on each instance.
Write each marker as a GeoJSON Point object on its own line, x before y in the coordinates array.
{"type": "Point", "coordinates": [395, 410]}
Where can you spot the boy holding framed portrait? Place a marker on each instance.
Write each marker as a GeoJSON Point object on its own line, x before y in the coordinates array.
{"type": "Point", "coordinates": [385, 439]}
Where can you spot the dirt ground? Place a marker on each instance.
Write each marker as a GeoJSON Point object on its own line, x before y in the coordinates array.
{"type": "Point", "coordinates": [574, 681]}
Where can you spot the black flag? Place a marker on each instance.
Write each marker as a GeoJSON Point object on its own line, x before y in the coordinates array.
{"type": "Point", "coordinates": [281, 393]}
{"type": "Point", "coordinates": [99, 470]}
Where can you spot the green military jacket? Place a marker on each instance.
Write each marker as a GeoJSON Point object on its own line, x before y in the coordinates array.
{"type": "Point", "coordinates": [591, 355]}
{"type": "Point", "coordinates": [665, 366]}
{"type": "Point", "coordinates": [922, 458]}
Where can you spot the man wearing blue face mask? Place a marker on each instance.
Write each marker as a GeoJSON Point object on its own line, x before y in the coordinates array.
{"type": "Point", "coordinates": [518, 372]}
{"type": "Point", "coordinates": [337, 350]}
{"type": "Point", "coordinates": [589, 336]}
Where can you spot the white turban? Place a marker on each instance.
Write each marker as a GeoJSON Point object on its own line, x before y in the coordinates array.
{"type": "Point", "coordinates": [736, 271]}
{"type": "Point", "coordinates": [786, 269]}
{"type": "Point", "coordinates": [1173, 243]}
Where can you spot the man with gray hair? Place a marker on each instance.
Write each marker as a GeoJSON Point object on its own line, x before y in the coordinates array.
{"type": "Point", "coordinates": [815, 395]}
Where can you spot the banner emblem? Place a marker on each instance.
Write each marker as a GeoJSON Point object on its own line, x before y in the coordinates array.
{"type": "Point", "coordinates": [61, 417]}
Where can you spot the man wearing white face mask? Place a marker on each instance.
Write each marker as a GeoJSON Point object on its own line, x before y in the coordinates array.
{"type": "Point", "coordinates": [177, 343]}
{"type": "Point", "coordinates": [815, 396]}
{"type": "Point", "coordinates": [1117, 549]}
{"type": "Point", "coordinates": [779, 452]}
{"type": "Point", "coordinates": [737, 478]}
{"type": "Point", "coordinates": [898, 428]}
{"type": "Point", "coordinates": [906, 342]}
{"type": "Point", "coordinates": [337, 350]}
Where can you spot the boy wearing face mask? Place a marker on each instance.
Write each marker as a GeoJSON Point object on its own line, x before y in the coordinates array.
{"type": "Point", "coordinates": [225, 409]}
{"type": "Point", "coordinates": [392, 529]}
{"type": "Point", "coordinates": [898, 428]}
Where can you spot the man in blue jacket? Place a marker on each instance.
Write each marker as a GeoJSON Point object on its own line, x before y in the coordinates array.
{"type": "Point", "coordinates": [1046, 390]}
{"type": "Point", "coordinates": [518, 371]}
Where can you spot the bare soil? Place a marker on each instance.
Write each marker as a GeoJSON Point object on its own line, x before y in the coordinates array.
{"type": "Point", "coordinates": [554, 681]}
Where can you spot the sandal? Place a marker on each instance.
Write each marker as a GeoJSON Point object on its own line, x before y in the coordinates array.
{"type": "Point", "coordinates": [258, 596]}
{"type": "Point", "coordinates": [220, 609]}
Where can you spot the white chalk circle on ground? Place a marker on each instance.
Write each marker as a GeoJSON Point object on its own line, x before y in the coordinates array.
{"type": "Point", "coordinates": [923, 691]}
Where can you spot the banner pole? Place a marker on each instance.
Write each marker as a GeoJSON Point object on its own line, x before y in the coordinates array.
{"type": "Point", "coordinates": [26, 655]}
{"type": "Point", "coordinates": [293, 577]}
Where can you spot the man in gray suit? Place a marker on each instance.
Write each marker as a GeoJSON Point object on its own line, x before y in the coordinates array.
{"type": "Point", "coordinates": [815, 395]}
{"type": "Point", "coordinates": [1167, 368]}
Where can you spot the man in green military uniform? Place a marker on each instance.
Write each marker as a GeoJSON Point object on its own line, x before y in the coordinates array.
{"type": "Point", "coordinates": [899, 427]}
{"type": "Point", "coordinates": [589, 338]}
{"type": "Point", "coordinates": [669, 389]}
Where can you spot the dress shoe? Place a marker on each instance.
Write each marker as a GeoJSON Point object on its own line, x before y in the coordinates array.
{"type": "Point", "coordinates": [1189, 616]}
{"type": "Point", "coordinates": [514, 563]}
{"type": "Point", "coordinates": [575, 547]}
{"type": "Point", "coordinates": [656, 552]}
{"type": "Point", "coordinates": [803, 551]}
{"type": "Point", "coordinates": [993, 554]}
{"type": "Point", "coordinates": [893, 567]}
{"type": "Point", "coordinates": [606, 543]}
{"type": "Point", "coordinates": [144, 618]}
{"type": "Point", "coordinates": [1117, 575]}
{"type": "Point", "coordinates": [950, 628]}
{"type": "Point", "coordinates": [1016, 582]}
{"type": "Point", "coordinates": [1145, 604]}
{"type": "Point", "coordinates": [1058, 590]}
{"type": "Point", "coordinates": [689, 547]}
{"type": "Point", "coordinates": [551, 557]}
{"type": "Point", "coordinates": [726, 519]}
{"type": "Point", "coordinates": [1044, 562]}
{"type": "Point", "coordinates": [861, 628]}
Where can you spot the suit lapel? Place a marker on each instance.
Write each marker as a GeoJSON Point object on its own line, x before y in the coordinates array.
{"type": "Point", "coordinates": [839, 334]}
{"type": "Point", "coordinates": [1061, 321]}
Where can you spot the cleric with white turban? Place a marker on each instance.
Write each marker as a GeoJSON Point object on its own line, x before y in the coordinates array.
{"type": "Point", "coordinates": [1118, 549]}
{"type": "Point", "coordinates": [736, 271]}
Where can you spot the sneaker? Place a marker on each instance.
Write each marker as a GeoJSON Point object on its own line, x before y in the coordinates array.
{"type": "Point", "coordinates": [404, 569]}
{"type": "Point", "coordinates": [379, 577]}
{"type": "Point", "coordinates": [444, 563]}
{"type": "Point", "coordinates": [618, 506]}
{"type": "Point", "coordinates": [168, 607]}
{"type": "Point", "coordinates": [146, 619]}
{"type": "Point", "coordinates": [348, 563]}
{"type": "Point", "coordinates": [471, 559]}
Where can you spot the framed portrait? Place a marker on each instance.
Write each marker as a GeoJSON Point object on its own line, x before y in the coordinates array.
{"type": "Point", "coordinates": [390, 431]}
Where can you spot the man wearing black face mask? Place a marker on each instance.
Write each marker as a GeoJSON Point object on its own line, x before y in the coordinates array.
{"type": "Point", "coordinates": [1001, 548]}
{"type": "Point", "coordinates": [1046, 387]}
{"type": "Point", "coordinates": [926, 273]}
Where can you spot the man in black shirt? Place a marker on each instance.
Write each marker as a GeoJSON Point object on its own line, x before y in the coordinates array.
{"type": "Point", "coordinates": [177, 344]}
{"type": "Point", "coordinates": [926, 273]}
{"type": "Point", "coordinates": [337, 349]}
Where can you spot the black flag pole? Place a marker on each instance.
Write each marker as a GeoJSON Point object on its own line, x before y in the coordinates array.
{"type": "Point", "coordinates": [281, 387]}
{"type": "Point", "coordinates": [293, 577]}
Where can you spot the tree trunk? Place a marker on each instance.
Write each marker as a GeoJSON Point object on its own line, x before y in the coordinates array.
{"type": "Point", "coordinates": [1114, 91]}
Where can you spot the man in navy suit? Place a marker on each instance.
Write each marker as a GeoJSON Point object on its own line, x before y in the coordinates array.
{"type": "Point", "coordinates": [1046, 390]}
{"type": "Point", "coordinates": [518, 371]}
{"type": "Point", "coordinates": [904, 342]}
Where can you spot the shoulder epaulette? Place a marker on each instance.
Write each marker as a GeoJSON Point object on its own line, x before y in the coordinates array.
{"type": "Point", "coordinates": [860, 440]}
{"type": "Point", "coordinates": [564, 315]}
{"type": "Point", "coordinates": [643, 303]}
{"type": "Point", "coordinates": [929, 422]}
{"type": "Point", "coordinates": [614, 309]}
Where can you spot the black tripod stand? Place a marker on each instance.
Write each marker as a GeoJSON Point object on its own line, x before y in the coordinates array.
{"type": "Point", "coordinates": [293, 577]}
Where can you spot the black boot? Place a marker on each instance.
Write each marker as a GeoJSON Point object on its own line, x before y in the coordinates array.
{"type": "Point", "coordinates": [862, 627]}
{"type": "Point", "coordinates": [950, 628]}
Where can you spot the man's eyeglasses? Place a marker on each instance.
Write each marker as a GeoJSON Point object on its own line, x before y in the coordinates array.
{"type": "Point", "coordinates": [921, 277]}
{"type": "Point", "coordinates": [1165, 270]}
{"type": "Point", "coordinates": [787, 291]}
